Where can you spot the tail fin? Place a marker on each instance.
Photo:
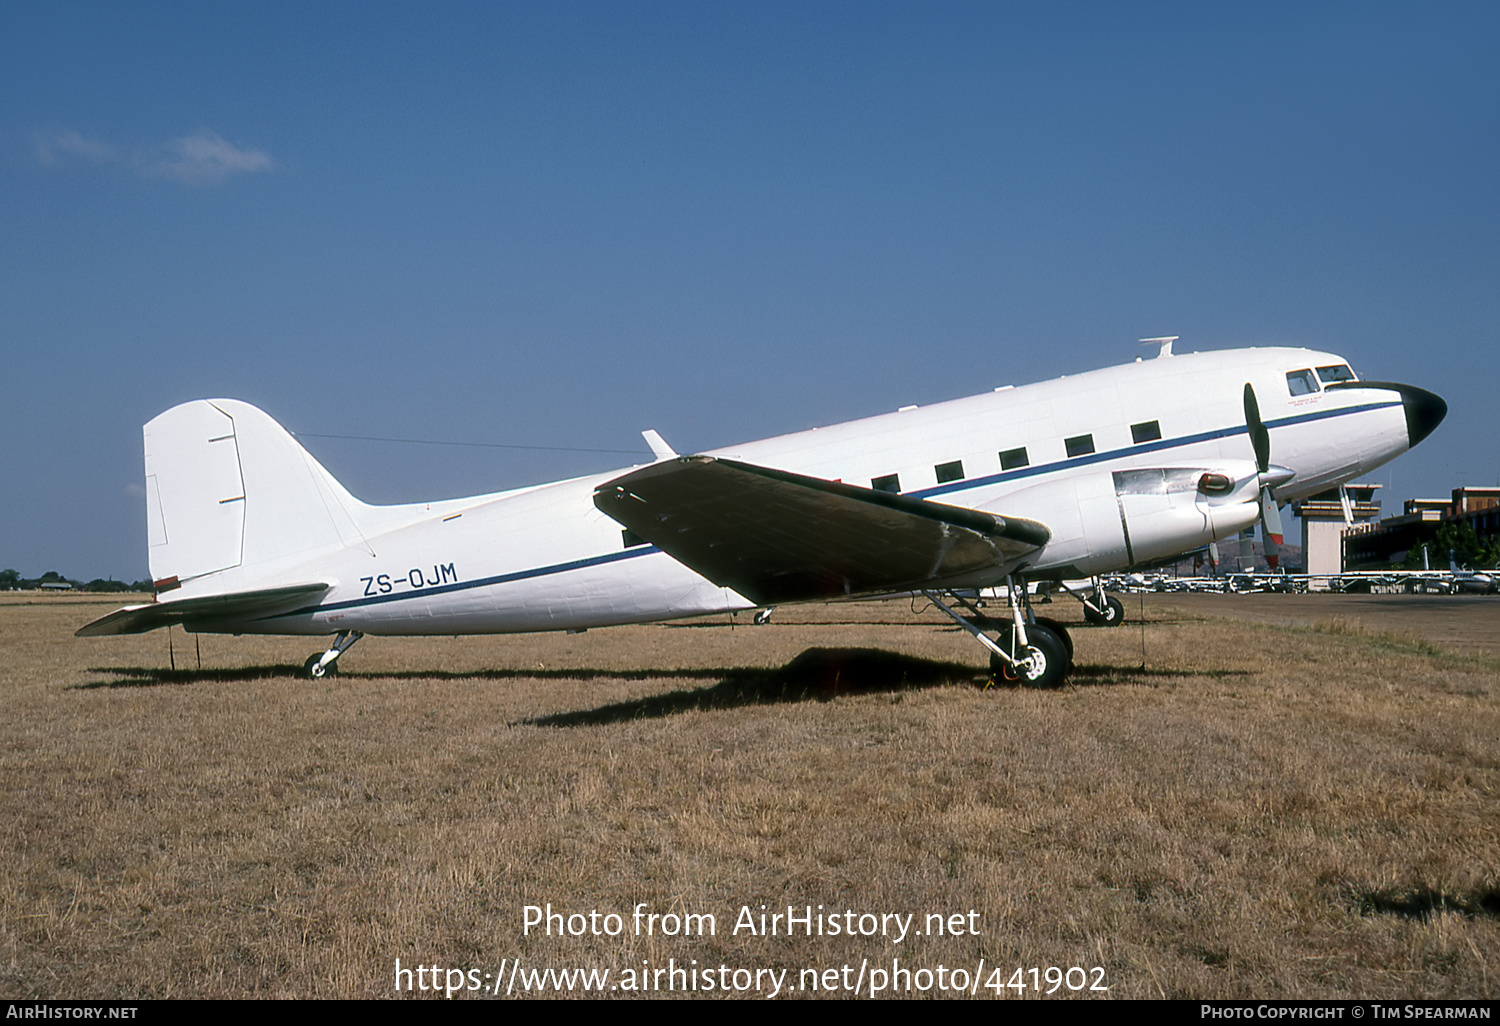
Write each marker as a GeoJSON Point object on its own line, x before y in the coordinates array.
{"type": "Point", "coordinates": [227, 486]}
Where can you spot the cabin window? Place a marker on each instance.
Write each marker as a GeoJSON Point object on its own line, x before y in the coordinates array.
{"type": "Point", "coordinates": [888, 483]}
{"type": "Point", "coordinates": [1301, 382]}
{"type": "Point", "coordinates": [1079, 445]}
{"type": "Point", "coordinates": [1150, 431]}
{"type": "Point", "coordinates": [950, 471]}
{"type": "Point", "coordinates": [1014, 459]}
{"type": "Point", "coordinates": [1338, 372]}
{"type": "Point", "coordinates": [632, 539]}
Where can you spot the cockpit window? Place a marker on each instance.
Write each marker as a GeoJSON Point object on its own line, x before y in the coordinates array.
{"type": "Point", "coordinates": [1338, 372]}
{"type": "Point", "coordinates": [1301, 382]}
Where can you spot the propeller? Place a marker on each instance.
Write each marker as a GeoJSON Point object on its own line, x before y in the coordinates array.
{"type": "Point", "coordinates": [1270, 476]}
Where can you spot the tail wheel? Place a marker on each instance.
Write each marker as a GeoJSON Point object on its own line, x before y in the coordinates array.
{"type": "Point", "coordinates": [1110, 614]}
{"type": "Point", "coordinates": [1044, 663]}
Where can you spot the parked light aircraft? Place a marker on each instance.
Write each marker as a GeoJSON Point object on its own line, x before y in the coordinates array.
{"type": "Point", "coordinates": [1427, 582]}
{"type": "Point", "coordinates": [1063, 480]}
{"type": "Point", "coordinates": [1456, 580]}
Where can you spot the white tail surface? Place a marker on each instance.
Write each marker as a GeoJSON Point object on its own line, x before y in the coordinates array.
{"type": "Point", "coordinates": [227, 486]}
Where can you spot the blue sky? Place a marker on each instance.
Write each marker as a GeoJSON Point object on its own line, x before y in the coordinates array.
{"type": "Point", "coordinates": [553, 225]}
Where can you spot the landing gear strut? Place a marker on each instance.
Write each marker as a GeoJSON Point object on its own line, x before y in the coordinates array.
{"type": "Point", "coordinates": [1099, 609]}
{"type": "Point", "coordinates": [323, 664]}
{"type": "Point", "coordinates": [1028, 650]}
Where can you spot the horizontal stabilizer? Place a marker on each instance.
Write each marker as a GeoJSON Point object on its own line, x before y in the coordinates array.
{"type": "Point", "coordinates": [774, 536]}
{"type": "Point", "coordinates": [237, 605]}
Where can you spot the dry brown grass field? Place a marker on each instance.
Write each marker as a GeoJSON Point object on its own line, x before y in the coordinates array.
{"type": "Point", "coordinates": [1301, 809]}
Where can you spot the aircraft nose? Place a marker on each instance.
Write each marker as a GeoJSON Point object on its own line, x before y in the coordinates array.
{"type": "Point", "coordinates": [1424, 412]}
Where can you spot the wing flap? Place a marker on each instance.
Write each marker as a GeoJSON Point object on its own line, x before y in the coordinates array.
{"type": "Point", "coordinates": [151, 615]}
{"type": "Point", "coordinates": [775, 536]}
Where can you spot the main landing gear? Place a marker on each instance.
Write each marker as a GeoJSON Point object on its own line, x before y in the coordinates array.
{"type": "Point", "coordinates": [1029, 649]}
{"type": "Point", "coordinates": [323, 664]}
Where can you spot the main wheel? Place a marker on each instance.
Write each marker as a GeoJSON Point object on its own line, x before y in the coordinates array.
{"type": "Point", "coordinates": [1112, 615]}
{"type": "Point", "coordinates": [1061, 631]}
{"type": "Point", "coordinates": [312, 671]}
{"type": "Point", "coordinates": [1045, 662]}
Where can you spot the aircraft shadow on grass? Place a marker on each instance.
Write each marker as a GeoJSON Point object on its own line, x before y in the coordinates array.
{"type": "Point", "coordinates": [816, 675]}
{"type": "Point", "coordinates": [822, 674]}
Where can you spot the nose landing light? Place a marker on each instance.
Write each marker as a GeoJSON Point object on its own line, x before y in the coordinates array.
{"type": "Point", "coordinates": [1215, 484]}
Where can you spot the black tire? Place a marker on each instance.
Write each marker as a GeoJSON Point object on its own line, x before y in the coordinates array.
{"type": "Point", "coordinates": [1061, 631]}
{"type": "Point", "coordinates": [1112, 615]}
{"type": "Point", "coordinates": [1047, 664]}
{"type": "Point", "coordinates": [311, 672]}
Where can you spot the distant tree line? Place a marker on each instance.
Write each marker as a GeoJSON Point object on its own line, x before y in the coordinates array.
{"type": "Point", "coordinates": [11, 580]}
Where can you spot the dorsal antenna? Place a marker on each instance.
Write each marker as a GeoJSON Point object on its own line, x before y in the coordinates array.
{"type": "Point", "coordinates": [1165, 342]}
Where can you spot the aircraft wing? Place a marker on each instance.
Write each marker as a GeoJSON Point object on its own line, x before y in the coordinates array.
{"type": "Point", "coordinates": [235, 605]}
{"type": "Point", "coordinates": [775, 537]}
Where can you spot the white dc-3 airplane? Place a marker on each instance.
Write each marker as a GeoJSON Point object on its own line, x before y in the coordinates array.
{"type": "Point", "coordinates": [1064, 480]}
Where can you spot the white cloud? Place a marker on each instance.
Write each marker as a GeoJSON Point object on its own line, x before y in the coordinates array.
{"type": "Point", "coordinates": [203, 158]}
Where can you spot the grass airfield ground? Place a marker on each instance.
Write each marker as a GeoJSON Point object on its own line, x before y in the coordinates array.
{"type": "Point", "coordinates": [1306, 808]}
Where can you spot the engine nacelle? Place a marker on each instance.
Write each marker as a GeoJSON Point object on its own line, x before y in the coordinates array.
{"type": "Point", "coordinates": [1129, 518]}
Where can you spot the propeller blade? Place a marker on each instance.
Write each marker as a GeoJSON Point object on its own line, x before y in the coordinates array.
{"type": "Point", "coordinates": [1270, 515]}
{"type": "Point", "coordinates": [1260, 438]}
{"type": "Point", "coordinates": [1270, 519]}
